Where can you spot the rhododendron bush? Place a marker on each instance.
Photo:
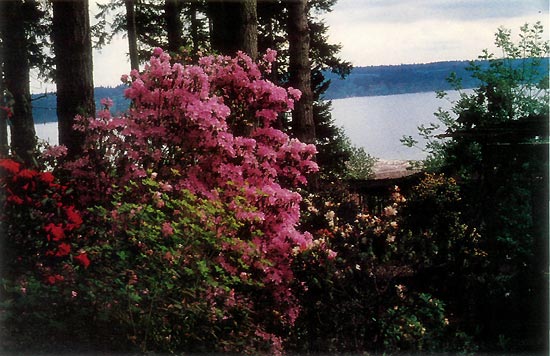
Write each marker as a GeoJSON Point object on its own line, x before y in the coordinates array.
{"type": "Point", "coordinates": [42, 221]}
{"type": "Point", "coordinates": [192, 196]}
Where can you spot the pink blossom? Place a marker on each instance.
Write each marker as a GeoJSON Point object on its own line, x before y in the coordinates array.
{"type": "Point", "coordinates": [270, 55]}
{"type": "Point", "coordinates": [167, 229]}
{"type": "Point", "coordinates": [331, 254]}
{"type": "Point", "coordinates": [295, 93]}
{"type": "Point", "coordinates": [107, 102]}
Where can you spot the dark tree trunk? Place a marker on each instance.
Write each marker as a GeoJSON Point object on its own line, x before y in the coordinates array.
{"type": "Point", "coordinates": [16, 74]}
{"type": "Point", "coordinates": [225, 28]}
{"type": "Point", "coordinates": [132, 33]}
{"type": "Point", "coordinates": [303, 125]}
{"type": "Point", "coordinates": [174, 26]}
{"type": "Point", "coordinates": [74, 71]}
{"type": "Point", "coordinates": [234, 26]}
{"type": "Point", "coordinates": [4, 149]}
{"type": "Point", "coordinates": [249, 28]}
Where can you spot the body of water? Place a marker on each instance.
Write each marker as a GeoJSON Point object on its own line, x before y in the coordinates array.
{"type": "Point", "coordinates": [47, 132]}
{"type": "Point", "coordinates": [376, 123]}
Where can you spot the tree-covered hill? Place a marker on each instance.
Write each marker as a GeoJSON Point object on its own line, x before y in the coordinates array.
{"type": "Point", "coordinates": [363, 81]}
{"type": "Point", "coordinates": [44, 105]}
{"type": "Point", "coordinates": [406, 78]}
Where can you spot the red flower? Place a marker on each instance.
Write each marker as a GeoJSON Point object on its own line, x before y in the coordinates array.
{"type": "Point", "coordinates": [54, 231]}
{"type": "Point", "coordinates": [10, 165]}
{"type": "Point", "coordinates": [15, 199]}
{"type": "Point", "coordinates": [47, 177]}
{"type": "Point", "coordinates": [82, 259]}
{"type": "Point", "coordinates": [8, 110]}
{"type": "Point", "coordinates": [27, 173]}
{"type": "Point", "coordinates": [53, 279]}
{"type": "Point", "coordinates": [63, 250]}
{"type": "Point", "coordinates": [73, 216]}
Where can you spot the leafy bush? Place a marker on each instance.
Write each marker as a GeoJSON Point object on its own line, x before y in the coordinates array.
{"type": "Point", "coordinates": [376, 283]}
{"type": "Point", "coordinates": [43, 251]}
{"type": "Point", "coordinates": [496, 146]}
{"type": "Point", "coordinates": [178, 272]}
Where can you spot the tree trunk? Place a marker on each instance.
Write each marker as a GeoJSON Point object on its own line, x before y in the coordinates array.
{"type": "Point", "coordinates": [174, 26]}
{"type": "Point", "coordinates": [249, 28]}
{"type": "Point", "coordinates": [17, 83]}
{"type": "Point", "coordinates": [225, 26]}
{"type": "Point", "coordinates": [132, 33]}
{"type": "Point", "coordinates": [4, 148]}
{"type": "Point", "coordinates": [74, 71]}
{"type": "Point", "coordinates": [234, 26]}
{"type": "Point", "coordinates": [303, 125]}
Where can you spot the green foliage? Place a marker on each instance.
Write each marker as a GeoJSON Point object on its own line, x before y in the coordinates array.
{"type": "Point", "coordinates": [512, 87]}
{"type": "Point", "coordinates": [496, 145]}
{"type": "Point", "coordinates": [360, 164]}
{"type": "Point", "coordinates": [158, 274]}
{"type": "Point", "coordinates": [394, 281]}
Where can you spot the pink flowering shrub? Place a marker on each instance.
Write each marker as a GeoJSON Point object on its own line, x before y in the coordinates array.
{"type": "Point", "coordinates": [205, 130]}
{"type": "Point", "coordinates": [180, 274]}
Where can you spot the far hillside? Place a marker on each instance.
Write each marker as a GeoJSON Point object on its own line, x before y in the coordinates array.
{"type": "Point", "coordinates": [363, 81]}
{"type": "Point", "coordinates": [406, 78]}
{"type": "Point", "coordinates": [44, 106]}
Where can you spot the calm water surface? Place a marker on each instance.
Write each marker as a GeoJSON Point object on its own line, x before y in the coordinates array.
{"type": "Point", "coordinates": [376, 123]}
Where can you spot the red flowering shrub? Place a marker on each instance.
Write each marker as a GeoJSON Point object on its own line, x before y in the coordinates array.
{"type": "Point", "coordinates": [42, 256]}
{"type": "Point", "coordinates": [40, 223]}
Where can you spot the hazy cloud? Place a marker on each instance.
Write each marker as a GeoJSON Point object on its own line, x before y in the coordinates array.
{"type": "Point", "coordinates": [374, 32]}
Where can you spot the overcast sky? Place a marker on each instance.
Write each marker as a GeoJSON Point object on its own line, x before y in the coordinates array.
{"type": "Point", "coordinates": [376, 32]}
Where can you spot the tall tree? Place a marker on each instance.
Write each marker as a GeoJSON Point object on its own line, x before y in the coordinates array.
{"type": "Point", "coordinates": [249, 27]}
{"type": "Point", "coordinates": [16, 67]}
{"type": "Point", "coordinates": [4, 148]}
{"type": "Point", "coordinates": [224, 26]}
{"type": "Point", "coordinates": [174, 25]}
{"type": "Point", "coordinates": [74, 73]}
{"type": "Point", "coordinates": [234, 26]}
{"type": "Point", "coordinates": [333, 148]}
{"type": "Point", "coordinates": [303, 125]}
{"type": "Point", "coordinates": [132, 33]}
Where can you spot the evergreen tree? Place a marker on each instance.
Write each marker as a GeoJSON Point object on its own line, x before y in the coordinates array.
{"type": "Point", "coordinates": [20, 31]}
{"type": "Point", "coordinates": [74, 75]}
{"type": "Point", "coordinates": [132, 33]}
{"type": "Point", "coordinates": [234, 26]}
{"type": "Point", "coordinates": [303, 126]}
{"type": "Point", "coordinates": [174, 25]}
